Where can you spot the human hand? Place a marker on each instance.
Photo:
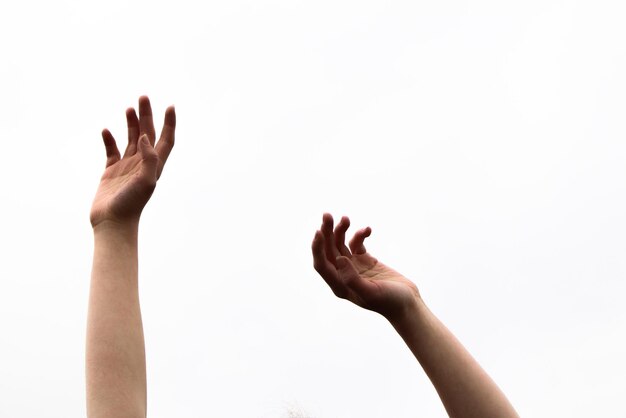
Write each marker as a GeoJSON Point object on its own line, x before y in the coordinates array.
{"type": "Point", "coordinates": [128, 181]}
{"type": "Point", "coordinates": [355, 275]}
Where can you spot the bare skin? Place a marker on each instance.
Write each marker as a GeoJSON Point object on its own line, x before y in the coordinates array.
{"type": "Point", "coordinates": [353, 274]}
{"type": "Point", "coordinates": [115, 355]}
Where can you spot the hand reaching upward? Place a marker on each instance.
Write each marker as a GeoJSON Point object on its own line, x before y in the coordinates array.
{"type": "Point", "coordinates": [463, 386]}
{"type": "Point", "coordinates": [128, 181]}
{"type": "Point", "coordinates": [354, 274]}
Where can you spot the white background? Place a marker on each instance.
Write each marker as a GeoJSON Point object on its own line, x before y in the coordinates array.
{"type": "Point", "coordinates": [483, 141]}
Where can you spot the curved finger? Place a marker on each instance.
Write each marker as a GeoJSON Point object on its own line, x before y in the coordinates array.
{"type": "Point", "coordinates": [146, 124]}
{"type": "Point", "coordinates": [324, 267]}
{"type": "Point", "coordinates": [113, 154]}
{"type": "Point", "coordinates": [133, 131]}
{"type": "Point", "coordinates": [166, 141]}
{"type": "Point", "coordinates": [356, 243]}
{"type": "Point", "coordinates": [329, 240]}
{"type": "Point", "coordinates": [340, 236]}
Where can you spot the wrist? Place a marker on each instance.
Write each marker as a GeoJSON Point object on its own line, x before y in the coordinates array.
{"type": "Point", "coordinates": [405, 319]}
{"type": "Point", "coordinates": [108, 228]}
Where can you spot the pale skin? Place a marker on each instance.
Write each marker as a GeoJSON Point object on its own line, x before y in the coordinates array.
{"type": "Point", "coordinates": [353, 274]}
{"type": "Point", "coordinates": [115, 355]}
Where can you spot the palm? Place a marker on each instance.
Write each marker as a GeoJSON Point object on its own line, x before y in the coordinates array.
{"type": "Point", "coordinates": [390, 291]}
{"type": "Point", "coordinates": [358, 276]}
{"type": "Point", "coordinates": [128, 181]}
{"type": "Point", "coordinates": [123, 190]}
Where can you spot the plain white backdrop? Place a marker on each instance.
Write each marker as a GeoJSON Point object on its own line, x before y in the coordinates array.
{"type": "Point", "coordinates": [484, 142]}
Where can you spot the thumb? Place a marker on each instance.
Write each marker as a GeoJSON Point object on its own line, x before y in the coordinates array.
{"type": "Point", "coordinates": [342, 262]}
{"type": "Point", "coordinates": [148, 154]}
{"type": "Point", "coordinates": [351, 277]}
{"type": "Point", "coordinates": [346, 270]}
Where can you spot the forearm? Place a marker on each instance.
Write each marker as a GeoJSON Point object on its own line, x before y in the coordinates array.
{"type": "Point", "coordinates": [115, 357]}
{"type": "Point", "coordinates": [463, 386]}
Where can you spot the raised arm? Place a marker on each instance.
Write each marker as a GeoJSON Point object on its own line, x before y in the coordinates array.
{"type": "Point", "coordinates": [463, 386]}
{"type": "Point", "coordinates": [115, 357]}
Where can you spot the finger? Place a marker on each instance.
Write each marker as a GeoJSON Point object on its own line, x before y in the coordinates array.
{"type": "Point", "coordinates": [350, 277]}
{"type": "Point", "coordinates": [146, 124]}
{"type": "Point", "coordinates": [113, 154]}
{"type": "Point", "coordinates": [329, 240]}
{"type": "Point", "coordinates": [149, 159]}
{"type": "Point", "coordinates": [340, 236]}
{"type": "Point", "coordinates": [356, 243]}
{"type": "Point", "coordinates": [324, 267]}
{"type": "Point", "coordinates": [133, 131]}
{"type": "Point", "coordinates": [166, 141]}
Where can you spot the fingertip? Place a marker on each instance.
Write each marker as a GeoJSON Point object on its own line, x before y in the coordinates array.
{"type": "Point", "coordinates": [170, 116]}
{"type": "Point", "coordinates": [131, 114]}
{"type": "Point", "coordinates": [327, 220]}
{"type": "Point", "coordinates": [368, 231]}
{"type": "Point", "coordinates": [347, 272]}
{"type": "Point", "coordinates": [143, 145]}
{"type": "Point", "coordinates": [107, 136]}
{"type": "Point", "coordinates": [146, 150]}
{"type": "Point", "coordinates": [340, 228]}
{"type": "Point", "coordinates": [144, 106]}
